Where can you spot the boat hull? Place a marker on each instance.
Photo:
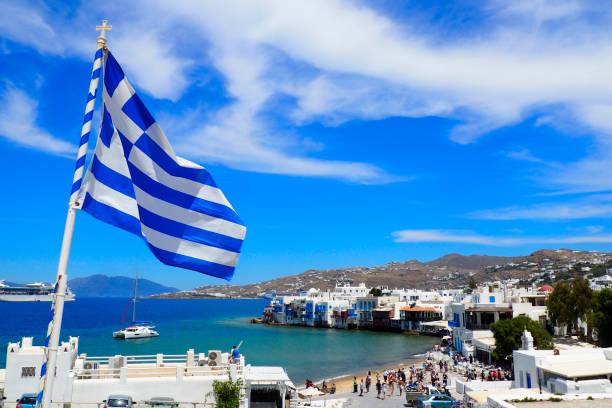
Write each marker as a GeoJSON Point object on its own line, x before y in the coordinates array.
{"type": "Point", "coordinates": [140, 334]}
{"type": "Point", "coordinates": [32, 298]}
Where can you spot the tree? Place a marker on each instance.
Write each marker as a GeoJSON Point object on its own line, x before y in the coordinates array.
{"type": "Point", "coordinates": [601, 317]}
{"type": "Point", "coordinates": [376, 292]}
{"type": "Point", "coordinates": [471, 285]}
{"type": "Point", "coordinates": [581, 301]}
{"type": "Point", "coordinates": [558, 307]}
{"type": "Point", "coordinates": [508, 334]}
{"type": "Point", "coordinates": [227, 393]}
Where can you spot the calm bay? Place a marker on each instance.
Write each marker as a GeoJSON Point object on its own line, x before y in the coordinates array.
{"type": "Point", "coordinates": [212, 324]}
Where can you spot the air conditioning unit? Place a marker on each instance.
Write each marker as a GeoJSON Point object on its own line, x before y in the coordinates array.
{"type": "Point", "coordinates": [88, 365]}
{"type": "Point", "coordinates": [116, 362]}
{"type": "Point", "coordinates": [214, 357]}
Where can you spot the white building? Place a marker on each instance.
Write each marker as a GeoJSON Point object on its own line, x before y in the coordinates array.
{"type": "Point", "coordinates": [576, 371]}
{"type": "Point", "coordinates": [186, 378]}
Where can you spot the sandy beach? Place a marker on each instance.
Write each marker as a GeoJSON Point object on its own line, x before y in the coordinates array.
{"type": "Point", "coordinates": [344, 383]}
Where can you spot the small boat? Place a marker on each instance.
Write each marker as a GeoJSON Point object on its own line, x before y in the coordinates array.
{"type": "Point", "coordinates": [140, 329]}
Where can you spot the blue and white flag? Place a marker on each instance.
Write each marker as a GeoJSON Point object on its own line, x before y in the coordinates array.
{"type": "Point", "coordinates": [136, 182]}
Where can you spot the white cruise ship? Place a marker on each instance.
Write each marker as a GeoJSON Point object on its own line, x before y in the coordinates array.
{"type": "Point", "coordinates": [32, 292]}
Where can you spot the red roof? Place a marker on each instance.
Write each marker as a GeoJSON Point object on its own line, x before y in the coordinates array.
{"type": "Point", "coordinates": [420, 309]}
{"type": "Point", "coordinates": [546, 288]}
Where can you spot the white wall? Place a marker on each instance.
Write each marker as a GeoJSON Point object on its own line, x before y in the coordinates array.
{"type": "Point", "coordinates": [190, 389]}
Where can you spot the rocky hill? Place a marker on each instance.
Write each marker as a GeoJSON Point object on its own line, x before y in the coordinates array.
{"type": "Point", "coordinates": [449, 271]}
{"type": "Point", "coordinates": [114, 286]}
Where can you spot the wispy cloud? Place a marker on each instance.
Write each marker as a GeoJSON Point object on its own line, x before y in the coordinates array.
{"type": "Point", "coordinates": [341, 60]}
{"type": "Point", "coordinates": [18, 124]}
{"type": "Point", "coordinates": [593, 206]}
{"type": "Point", "coordinates": [467, 237]}
{"type": "Point", "coordinates": [524, 155]}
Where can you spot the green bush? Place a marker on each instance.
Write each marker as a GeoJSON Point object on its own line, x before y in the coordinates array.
{"type": "Point", "coordinates": [227, 393]}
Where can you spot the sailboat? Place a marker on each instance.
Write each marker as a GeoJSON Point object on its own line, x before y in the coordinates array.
{"type": "Point", "coordinates": [139, 329]}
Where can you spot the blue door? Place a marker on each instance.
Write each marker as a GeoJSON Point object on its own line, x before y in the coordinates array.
{"type": "Point", "coordinates": [528, 380]}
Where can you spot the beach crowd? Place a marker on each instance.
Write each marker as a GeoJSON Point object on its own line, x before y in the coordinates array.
{"type": "Point", "coordinates": [433, 375]}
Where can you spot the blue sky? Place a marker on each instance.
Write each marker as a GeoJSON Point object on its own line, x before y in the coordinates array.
{"type": "Point", "coordinates": [344, 133]}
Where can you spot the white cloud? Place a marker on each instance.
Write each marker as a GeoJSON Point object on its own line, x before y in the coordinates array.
{"type": "Point", "coordinates": [149, 60]}
{"type": "Point", "coordinates": [359, 63]}
{"type": "Point", "coordinates": [18, 124]}
{"type": "Point", "coordinates": [466, 237]}
{"type": "Point", "coordinates": [594, 206]}
{"type": "Point", "coordinates": [25, 25]}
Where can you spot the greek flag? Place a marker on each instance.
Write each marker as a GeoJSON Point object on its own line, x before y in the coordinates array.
{"type": "Point", "coordinates": [137, 183]}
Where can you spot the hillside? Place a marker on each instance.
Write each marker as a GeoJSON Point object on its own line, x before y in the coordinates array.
{"type": "Point", "coordinates": [449, 271]}
{"type": "Point", "coordinates": [114, 286]}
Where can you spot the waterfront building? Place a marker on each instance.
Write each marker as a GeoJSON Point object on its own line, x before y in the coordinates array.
{"type": "Point", "coordinates": [412, 318]}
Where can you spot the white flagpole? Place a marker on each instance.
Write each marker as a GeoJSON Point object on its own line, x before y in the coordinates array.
{"type": "Point", "coordinates": [53, 333]}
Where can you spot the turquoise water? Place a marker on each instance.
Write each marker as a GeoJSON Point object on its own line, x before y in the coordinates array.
{"type": "Point", "coordinates": [206, 324]}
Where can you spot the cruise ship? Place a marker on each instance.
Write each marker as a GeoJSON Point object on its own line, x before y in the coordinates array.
{"type": "Point", "coordinates": [32, 292]}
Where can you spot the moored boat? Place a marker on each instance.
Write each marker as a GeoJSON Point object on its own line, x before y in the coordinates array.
{"type": "Point", "coordinates": [32, 292]}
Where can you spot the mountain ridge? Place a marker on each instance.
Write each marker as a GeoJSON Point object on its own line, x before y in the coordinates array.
{"type": "Point", "coordinates": [446, 272]}
{"type": "Point", "coordinates": [115, 286]}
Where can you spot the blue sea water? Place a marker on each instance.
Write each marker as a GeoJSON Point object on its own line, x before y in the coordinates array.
{"type": "Point", "coordinates": [208, 324]}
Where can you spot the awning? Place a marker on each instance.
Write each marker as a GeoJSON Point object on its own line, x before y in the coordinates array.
{"type": "Point", "coordinates": [578, 369]}
{"type": "Point", "coordinates": [438, 323]}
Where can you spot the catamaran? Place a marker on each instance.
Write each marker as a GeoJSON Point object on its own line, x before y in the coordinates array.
{"type": "Point", "coordinates": [139, 329]}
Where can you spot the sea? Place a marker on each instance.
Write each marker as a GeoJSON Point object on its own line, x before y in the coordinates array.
{"type": "Point", "coordinates": [212, 324]}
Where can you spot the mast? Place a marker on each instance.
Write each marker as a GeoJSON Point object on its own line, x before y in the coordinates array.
{"type": "Point", "coordinates": [47, 371]}
{"type": "Point", "coordinates": [135, 295]}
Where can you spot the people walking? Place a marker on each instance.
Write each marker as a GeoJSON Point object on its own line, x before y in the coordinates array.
{"type": "Point", "coordinates": [378, 388]}
{"type": "Point", "coordinates": [354, 384]}
{"type": "Point", "coordinates": [361, 387]}
{"type": "Point", "coordinates": [368, 382]}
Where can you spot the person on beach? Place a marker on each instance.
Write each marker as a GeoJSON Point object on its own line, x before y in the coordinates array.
{"type": "Point", "coordinates": [378, 388]}
{"type": "Point", "coordinates": [368, 381]}
{"type": "Point", "coordinates": [361, 387]}
{"type": "Point", "coordinates": [385, 374]}
{"type": "Point", "coordinates": [391, 384]}
{"type": "Point", "coordinates": [354, 384]}
{"type": "Point", "coordinates": [333, 388]}
{"type": "Point", "coordinates": [383, 389]}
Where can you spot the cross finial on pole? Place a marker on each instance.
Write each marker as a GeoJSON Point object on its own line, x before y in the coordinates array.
{"type": "Point", "coordinates": [102, 29]}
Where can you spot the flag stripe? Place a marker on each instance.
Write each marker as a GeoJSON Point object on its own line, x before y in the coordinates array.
{"type": "Point", "coordinates": [159, 156]}
{"type": "Point", "coordinates": [153, 170]}
{"type": "Point", "coordinates": [189, 248]}
{"type": "Point", "coordinates": [106, 195]}
{"type": "Point", "coordinates": [183, 261]}
{"type": "Point", "coordinates": [180, 199]}
{"type": "Point", "coordinates": [193, 234]}
{"type": "Point", "coordinates": [189, 217]}
{"type": "Point", "coordinates": [111, 178]}
{"type": "Point", "coordinates": [111, 215]}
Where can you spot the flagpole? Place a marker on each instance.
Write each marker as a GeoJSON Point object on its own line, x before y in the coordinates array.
{"type": "Point", "coordinates": [47, 372]}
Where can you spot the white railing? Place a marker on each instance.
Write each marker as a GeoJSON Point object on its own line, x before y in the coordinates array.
{"type": "Point", "coordinates": [144, 372]}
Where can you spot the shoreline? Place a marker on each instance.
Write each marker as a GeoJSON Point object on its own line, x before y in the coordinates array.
{"type": "Point", "coordinates": [344, 382]}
